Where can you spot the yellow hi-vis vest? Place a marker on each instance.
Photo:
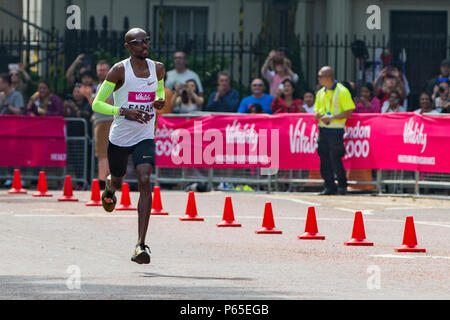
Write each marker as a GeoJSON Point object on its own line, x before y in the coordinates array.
{"type": "Point", "coordinates": [334, 101]}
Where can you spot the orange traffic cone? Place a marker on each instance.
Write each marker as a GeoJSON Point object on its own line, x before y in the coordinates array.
{"type": "Point", "coordinates": [191, 209]}
{"type": "Point", "coordinates": [125, 202]}
{"type": "Point", "coordinates": [157, 208]}
{"type": "Point", "coordinates": [268, 225]}
{"type": "Point", "coordinates": [68, 191]}
{"type": "Point", "coordinates": [311, 232]}
{"type": "Point", "coordinates": [358, 234]}
{"type": "Point", "coordinates": [228, 215]}
{"type": "Point", "coordinates": [17, 183]}
{"type": "Point", "coordinates": [42, 186]}
{"type": "Point", "coordinates": [95, 195]}
{"type": "Point", "coordinates": [409, 238]}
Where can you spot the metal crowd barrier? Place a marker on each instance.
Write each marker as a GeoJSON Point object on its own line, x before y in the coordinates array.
{"type": "Point", "coordinates": [383, 182]}
{"type": "Point", "coordinates": [80, 157]}
{"type": "Point", "coordinates": [76, 163]}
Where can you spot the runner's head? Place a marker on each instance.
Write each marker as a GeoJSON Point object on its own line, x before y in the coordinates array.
{"type": "Point", "coordinates": [137, 43]}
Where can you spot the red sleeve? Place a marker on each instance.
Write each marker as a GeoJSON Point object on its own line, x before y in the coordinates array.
{"type": "Point", "coordinates": [275, 107]}
{"type": "Point", "coordinates": [299, 105]}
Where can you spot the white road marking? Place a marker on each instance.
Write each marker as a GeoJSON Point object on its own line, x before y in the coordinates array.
{"type": "Point", "coordinates": [402, 256]}
{"type": "Point", "coordinates": [434, 224]}
{"type": "Point", "coordinates": [409, 208]}
{"type": "Point", "coordinates": [294, 200]}
{"type": "Point", "coordinates": [364, 212]}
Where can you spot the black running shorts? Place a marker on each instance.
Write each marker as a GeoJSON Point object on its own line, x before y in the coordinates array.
{"type": "Point", "coordinates": [143, 152]}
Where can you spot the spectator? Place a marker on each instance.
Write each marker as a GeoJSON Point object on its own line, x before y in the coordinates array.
{"type": "Point", "coordinates": [102, 68]}
{"type": "Point", "coordinates": [392, 81]}
{"type": "Point", "coordinates": [79, 66]}
{"type": "Point", "coordinates": [286, 101]}
{"type": "Point", "coordinates": [21, 81]}
{"type": "Point", "coordinates": [225, 99]}
{"type": "Point", "coordinates": [178, 76]}
{"type": "Point", "coordinates": [187, 99]}
{"type": "Point", "coordinates": [77, 106]}
{"type": "Point", "coordinates": [280, 71]}
{"type": "Point", "coordinates": [368, 103]}
{"type": "Point", "coordinates": [444, 76]}
{"type": "Point", "coordinates": [102, 124]}
{"type": "Point", "coordinates": [426, 105]}
{"type": "Point", "coordinates": [88, 86]}
{"type": "Point", "coordinates": [11, 101]}
{"type": "Point", "coordinates": [393, 104]}
{"type": "Point", "coordinates": [309, 100]}
{"type": "Point", "coordinates": [441, 97]}
{"type": "Point", "coordinates": [44, 102]}
{"type": "Point", "coordinates": [256, 108]}
{"type": "Point", "coordinates": [281, 52]}
{"type": "Point", "coordinates": [258, 96]}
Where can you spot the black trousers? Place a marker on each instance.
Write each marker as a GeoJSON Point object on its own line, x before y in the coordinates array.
{"type": "Point", "coordinates": [331, 149]}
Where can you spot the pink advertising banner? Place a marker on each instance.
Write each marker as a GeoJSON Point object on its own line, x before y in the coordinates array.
{"type": "Point", "coordinates": [32, 141]}
{"type": "Point", "coordinates": [395, 141]}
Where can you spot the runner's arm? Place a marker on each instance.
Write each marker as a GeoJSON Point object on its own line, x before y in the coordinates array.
{"type": "Point", "coordinates": [160, 92]}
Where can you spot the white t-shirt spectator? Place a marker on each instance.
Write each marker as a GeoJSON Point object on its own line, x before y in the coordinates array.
{"type": "Point", "coordinates": [385, 107]}
{"type": "Point", "coordinates": [434, 111]}
{"type": "Point", "coordinates": [309, 109]}
{"type": "Point", "coordinates": [174, 78]}
{"type": "Point", "coordinates": [183, 108]}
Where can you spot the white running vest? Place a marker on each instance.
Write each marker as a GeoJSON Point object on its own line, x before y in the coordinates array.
{"type": "Point", "coordinates": [134, 93]}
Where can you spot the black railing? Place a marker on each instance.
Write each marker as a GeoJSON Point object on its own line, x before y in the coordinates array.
{"type": "Point", "coordinates": [52, 54]}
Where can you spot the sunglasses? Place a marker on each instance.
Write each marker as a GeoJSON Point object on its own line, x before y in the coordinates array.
{"type": "Point", "coordinates": [13, 74]}
{"type": "Point", "coordinates": [442, 79]}
{"type": "Point", "coordinates": [257, 85]}
{"type": "Point", "coordinates": [140, 41]}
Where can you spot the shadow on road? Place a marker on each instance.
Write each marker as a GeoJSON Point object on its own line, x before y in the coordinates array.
{"type": "Point", "coordinates": [50, 288]}
{"type": "Point", "coordinates": [151, 275]}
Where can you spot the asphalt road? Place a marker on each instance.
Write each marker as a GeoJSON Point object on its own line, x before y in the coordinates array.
{"type": "Point", "coordinates": [55, 250]}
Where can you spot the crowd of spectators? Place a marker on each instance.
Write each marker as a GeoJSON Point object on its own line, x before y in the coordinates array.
{"type": "Point", "coordinates": [275, 91]}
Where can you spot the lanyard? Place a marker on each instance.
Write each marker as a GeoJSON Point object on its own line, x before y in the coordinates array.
{"type": "Point", "coordinates": [331, 100]}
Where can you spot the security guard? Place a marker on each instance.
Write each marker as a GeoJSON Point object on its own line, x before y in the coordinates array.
{"type": "Point", "coordinates": [334, 105]}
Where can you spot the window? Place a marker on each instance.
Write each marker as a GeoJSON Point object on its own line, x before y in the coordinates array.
{"type": "Point", "coordinates": [180, 25]}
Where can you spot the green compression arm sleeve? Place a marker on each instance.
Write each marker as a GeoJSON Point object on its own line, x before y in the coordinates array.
{"type": "Point", "coordinates": [99, 105]}
{"type": "Point", "coordinates": [160, 93]}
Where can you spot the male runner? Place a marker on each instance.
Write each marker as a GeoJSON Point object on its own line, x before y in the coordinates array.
{"type": "Point", "coordinates": [137, 84]}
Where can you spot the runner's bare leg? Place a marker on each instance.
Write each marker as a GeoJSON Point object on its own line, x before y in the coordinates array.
{"type": "Point", "coordinates": [143, 172]}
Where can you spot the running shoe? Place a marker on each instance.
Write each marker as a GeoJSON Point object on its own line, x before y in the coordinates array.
{"type": "Point", "coordinates": [141, 254]}
{"type": "Point", "coordinates": [108, 201]}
